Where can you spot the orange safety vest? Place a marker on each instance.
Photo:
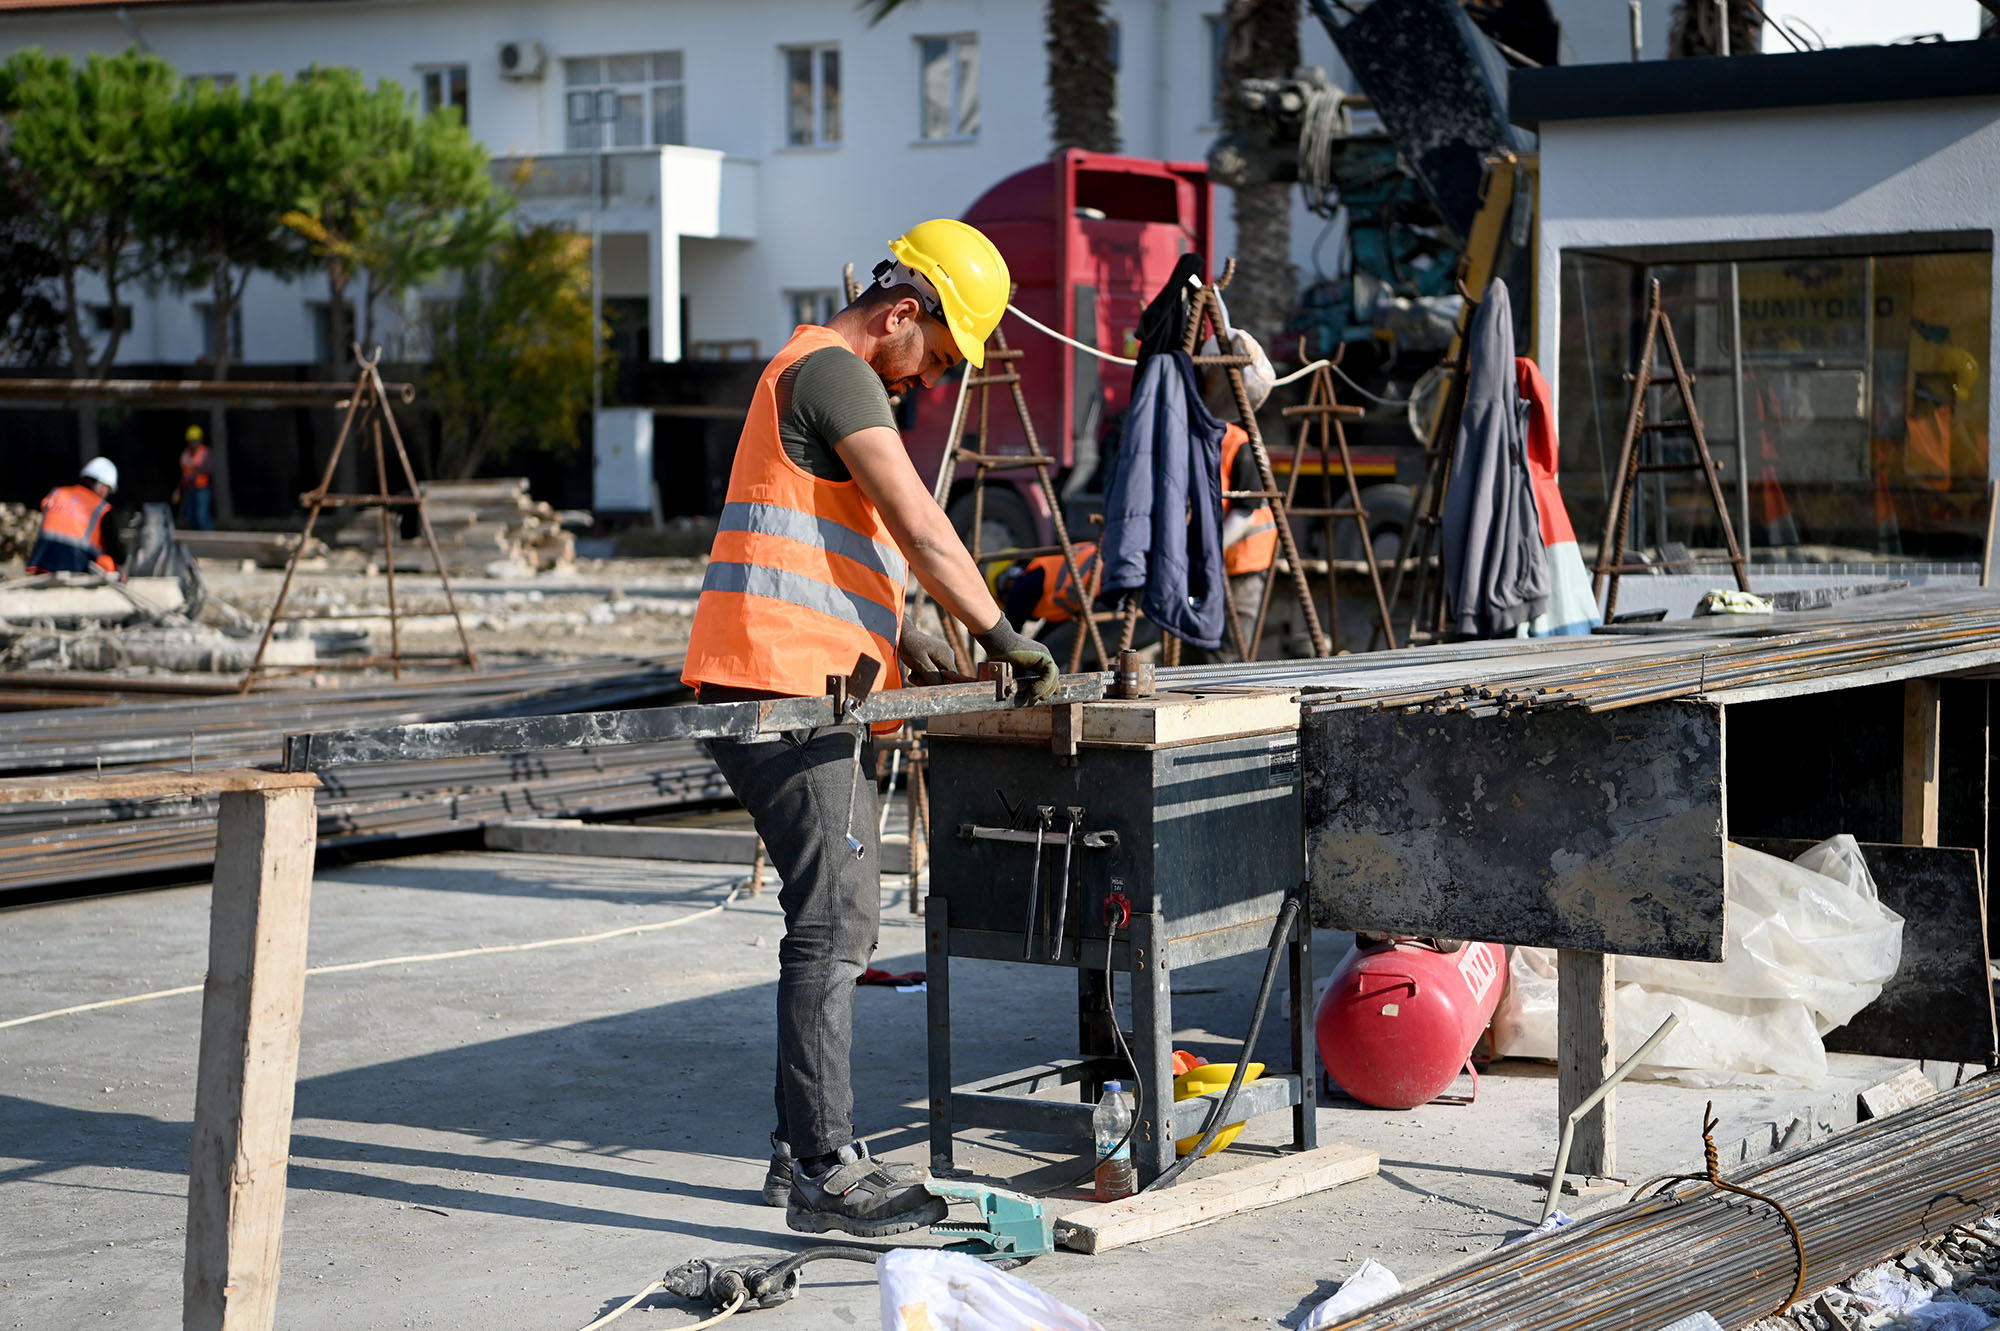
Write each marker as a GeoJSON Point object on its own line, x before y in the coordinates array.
{"type": "Point", "coordinates": [1256, 548]}
{"type": "Point", "coordinates": [194, 467]}
{"type": "Point", "coordinates": [73, 522]}
{"type": "Point", "coordinates": [1060, 601]}
{"type": "Point", "coordinates": [804, 576]}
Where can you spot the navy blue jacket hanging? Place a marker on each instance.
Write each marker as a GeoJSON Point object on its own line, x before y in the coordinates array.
{"type": "Point", "coordinates": [1163, 505]}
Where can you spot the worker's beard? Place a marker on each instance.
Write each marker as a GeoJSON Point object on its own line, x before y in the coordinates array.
{"type": "Point", "coordinates": [898, 360]}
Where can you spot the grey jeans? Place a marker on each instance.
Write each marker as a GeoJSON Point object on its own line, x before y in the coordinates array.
{"type": "Point", "coordinates": [796, 789]}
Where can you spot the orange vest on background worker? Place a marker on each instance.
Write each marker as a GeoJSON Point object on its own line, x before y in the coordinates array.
{"type": "Point", "coordinates": [72, 535]}
{"type": "Point", "coordinates": [804, 576]}
{"type": "Point", "coordinates": [1060, 601]}
{"type": "Point", "coordinates": [1256, 548]}
{"type": "Point", "coordinates": [194, 467]}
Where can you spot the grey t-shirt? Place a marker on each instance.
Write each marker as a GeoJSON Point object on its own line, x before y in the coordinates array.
{"type": "Point", "coordinates": [822, 398]}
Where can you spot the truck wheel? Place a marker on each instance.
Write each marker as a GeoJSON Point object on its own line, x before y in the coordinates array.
{"type": "Point", "coordinates": [1389, 508]}
{"type": "Point", "coordinates": [1006, 524]}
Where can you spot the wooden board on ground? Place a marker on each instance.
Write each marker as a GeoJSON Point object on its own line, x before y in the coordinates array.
{"type": "Point", "coordinates": [1939, 1003]}
{"type": "Point", "coordinates": [1150, 1215]}
{"type": "Point", "coordinates": [1598, 832]}
{"type": "Point", "coordinates": [1167, 718]}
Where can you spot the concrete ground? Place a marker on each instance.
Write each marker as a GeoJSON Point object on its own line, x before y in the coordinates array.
{"type": "Point", "coordinates": [524, 1139]}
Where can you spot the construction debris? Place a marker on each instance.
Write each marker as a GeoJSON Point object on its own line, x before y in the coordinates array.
{"type": "Point", "coordinates": [264, 549]}
{"type": "Point", "coordinates": [18, 524]}
{"type": "Point", "coordinates": [489, 527]}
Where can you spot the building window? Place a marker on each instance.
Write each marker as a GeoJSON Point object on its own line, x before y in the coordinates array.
{"type": "Point", "coordinates": [812, 95]}
{"type": "Point", "coordinates": [625, 101]}
{"type": "Point", "coordinates": [1217, 26]}
{"type": "Point", "coordinates": [204, 317]}
{"type": "Point", "coordinates": [102, 319]}
{"type": "Point", "coordinates": [320, 312]}
{"type": "Point", "coordinates": [948, 87]}
{"type": "Point", "coordinates": [444, 85]}
{"type": "Point", "coordinates": [1863, 390]}
{"type": "Point", "coordinates": [812, 307]}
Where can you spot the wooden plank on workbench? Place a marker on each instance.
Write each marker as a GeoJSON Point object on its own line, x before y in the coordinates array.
{"type": "Point", "coordinates": [1149, 1215]}
{"type": "Point", "coordinates": [72, 786]}
{"type": "Point", "coordinates": [1168, 718]}
{"type": "Point", "coordinates": [1595, 831]}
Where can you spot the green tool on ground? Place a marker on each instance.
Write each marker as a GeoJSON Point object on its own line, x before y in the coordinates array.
{"type": "Point", "coordinates": [1012, 1227]}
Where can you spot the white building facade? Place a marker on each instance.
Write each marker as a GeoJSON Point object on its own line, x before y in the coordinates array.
{"type": "Point", "coordinates": [751, 147]}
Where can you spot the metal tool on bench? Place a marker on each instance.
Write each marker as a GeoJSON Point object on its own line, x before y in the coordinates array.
{"type": "Point", "coordinates": [1062, 891]}
{"type": "Point", "coordinates": [849, 692]}
{"type": "Point", "coordinates": [1043, 813]}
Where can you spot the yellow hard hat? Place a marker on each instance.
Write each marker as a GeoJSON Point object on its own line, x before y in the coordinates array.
{"type": "Point", "coordinates": [193, 434]}
{"type": "Point", "coordinates": [968, 273]}
{"type": "Point", "coordinates": [994, 570]}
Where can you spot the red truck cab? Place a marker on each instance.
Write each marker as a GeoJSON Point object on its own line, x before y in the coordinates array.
{"type": "Point", "coordinates": [1089, 238]}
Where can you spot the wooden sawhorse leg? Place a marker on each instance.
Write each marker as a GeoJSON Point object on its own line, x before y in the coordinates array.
{"type": "Point", "coordinates": [249, 1059]}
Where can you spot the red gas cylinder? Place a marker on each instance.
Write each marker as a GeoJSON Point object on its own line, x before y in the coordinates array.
{"type": "Point", "coordinates": [1399, 1019]}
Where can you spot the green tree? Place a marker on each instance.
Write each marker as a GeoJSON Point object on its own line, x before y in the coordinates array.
{"type": "Point", "coordinates": [440, 211]}
{"type": "Point", "coordinates": [236, 167]}
{"type": "Point", "coordinates": [511, 355]}
{"type": "Point", "coordinates": [88, 148]}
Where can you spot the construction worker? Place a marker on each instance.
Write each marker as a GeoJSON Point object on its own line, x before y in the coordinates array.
{"type": "Point", "coordinates": [1041, 588]}
{"type": "Point", "coordinates": [824, 519]}
{"type": "Point", "coordinates": [1249, 528]}
{"type": "Point", "coordinates": [196, 500]}
{"type": "Point", "coordinates": [71, 538]}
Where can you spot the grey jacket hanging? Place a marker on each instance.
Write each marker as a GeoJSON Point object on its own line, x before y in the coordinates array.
{"type": "Point", "coordinates": [1496, 568]}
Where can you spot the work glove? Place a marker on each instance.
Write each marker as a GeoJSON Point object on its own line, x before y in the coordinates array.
{"type": "Point", "coordinates": [1032, 662]}
{"type": "Point", "coordinates": [928, 658]}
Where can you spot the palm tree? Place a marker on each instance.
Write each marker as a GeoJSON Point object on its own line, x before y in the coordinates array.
{"type": "Point", "coordinates": [1262, 42]}
{"type": "Point", "coordinates": [1694, 31]}
{"type": "Point", "coordinates": [1082, 82]}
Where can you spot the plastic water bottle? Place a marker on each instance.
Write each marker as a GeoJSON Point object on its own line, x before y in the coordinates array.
{"type": "Point", "coordinates": [1113, 1124]}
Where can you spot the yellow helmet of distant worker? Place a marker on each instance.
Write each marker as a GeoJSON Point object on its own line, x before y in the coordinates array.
{"type": "Point", "coordinates": [965, 273]}
{"type": "Point", "coordinates": [193, 435]}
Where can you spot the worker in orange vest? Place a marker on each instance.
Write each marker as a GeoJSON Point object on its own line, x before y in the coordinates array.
{"type": "Point", "coordinates": [197, 509]}
{"type": "Point", "coordinates": [71, 539]}
{"type": "Point", "coordinates": [1041, 588]}
{"type": "Point", "coordinates": [824, 520]}
{"type": "Point", "coordinates": [1249, 528]}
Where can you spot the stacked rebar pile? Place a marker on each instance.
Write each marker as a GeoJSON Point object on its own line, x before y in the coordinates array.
{"type": "Point", "coordinates": [1772, 655]}
{"type": "Point", "coordinates": [1857, 1198]}
{"type": "Point", "coordinates": [44, 845]}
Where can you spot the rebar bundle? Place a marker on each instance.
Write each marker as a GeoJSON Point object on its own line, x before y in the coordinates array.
{"type": "Point", "coordinates": [1857, 1197]}
{"type": "Point", "coordinates": [1733, 661]}
{"type": "Point", "coordinates": [46, 845]}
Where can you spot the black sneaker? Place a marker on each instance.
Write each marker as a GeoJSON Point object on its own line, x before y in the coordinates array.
{"type": "Point", "coordinates": [778, 1178]}
{"type": "Point", "coordinates": [861, 1196]}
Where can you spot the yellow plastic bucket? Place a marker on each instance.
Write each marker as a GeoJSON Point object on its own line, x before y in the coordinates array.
{"type": "Point", "coordinates": [1211, 1078]}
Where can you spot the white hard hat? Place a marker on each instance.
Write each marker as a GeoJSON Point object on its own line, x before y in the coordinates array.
{"type": "Point", "coordinates": [102, 470]}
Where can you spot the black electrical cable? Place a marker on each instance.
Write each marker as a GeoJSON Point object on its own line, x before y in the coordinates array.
{"type": "Point", "coordinates": [1218, 1116]}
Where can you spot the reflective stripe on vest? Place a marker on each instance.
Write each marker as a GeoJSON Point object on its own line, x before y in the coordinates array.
{"type": "Point", "coordinates": [73, 516]}
{"type": "Point", "coordinates": [811, 529]}
{"type": "Point", "coordinates": [804, 575]}
{"type": "Point", "coordinates": [797, 589]}
{"type": "Point", "coordinates": [1060, 601]}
